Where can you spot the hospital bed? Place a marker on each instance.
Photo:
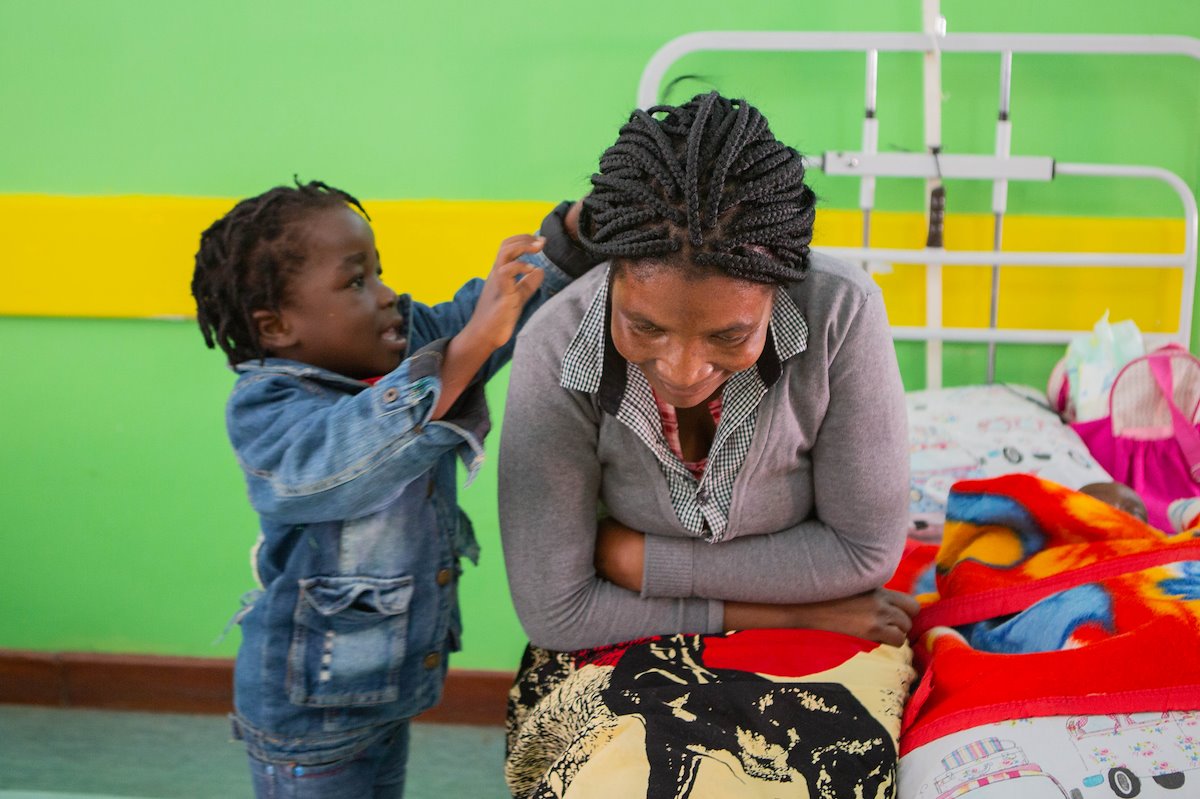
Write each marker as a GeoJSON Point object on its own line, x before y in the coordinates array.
{"type": "Point", "coordinates": [990, 428]}
{"type": "Point", "coordinates": [985, 429]}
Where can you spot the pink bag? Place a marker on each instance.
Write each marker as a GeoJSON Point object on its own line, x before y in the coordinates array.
{"type": "Point", "coordinates": [1146, 441]}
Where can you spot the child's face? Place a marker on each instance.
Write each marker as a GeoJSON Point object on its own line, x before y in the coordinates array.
{"type": "Point", "coordinates": [337, 314]}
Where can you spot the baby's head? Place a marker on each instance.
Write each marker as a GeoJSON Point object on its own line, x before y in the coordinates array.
{"type": "Point", "coordinates": [294, 273]}
{"type": "Point", "coordinates": [1119, 495]}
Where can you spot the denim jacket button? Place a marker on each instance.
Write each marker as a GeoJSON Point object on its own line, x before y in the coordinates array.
{"type": "Point", "coordinates": [444, 577]}
{"type": "Point", "coordinates": [390, 395]}
{"type": "Point", "coordinates": [433, 660]}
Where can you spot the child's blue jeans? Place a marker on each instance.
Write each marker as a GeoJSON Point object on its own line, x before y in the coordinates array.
{"type": "Point", "coordinates": [376, 772]}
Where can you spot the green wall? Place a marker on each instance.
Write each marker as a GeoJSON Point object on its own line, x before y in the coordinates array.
{"type": "Point", "coordinates": [122, 512]}
{"type": "Point", "coordinates": [516, 98]}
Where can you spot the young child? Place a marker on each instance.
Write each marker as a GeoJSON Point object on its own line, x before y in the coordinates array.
{"type": "Point", "coordinates": [349, 408]}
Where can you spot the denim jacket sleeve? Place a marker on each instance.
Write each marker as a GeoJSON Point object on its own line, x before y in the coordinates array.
{"type": "Point", "coordinates": [313, 452]}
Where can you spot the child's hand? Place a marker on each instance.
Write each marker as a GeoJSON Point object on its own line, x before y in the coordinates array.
{"type": "Point", "coordinates": [509, 286]}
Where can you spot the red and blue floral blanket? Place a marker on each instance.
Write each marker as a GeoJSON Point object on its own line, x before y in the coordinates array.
{"type": "Point", "coordinates": [1049, 602]}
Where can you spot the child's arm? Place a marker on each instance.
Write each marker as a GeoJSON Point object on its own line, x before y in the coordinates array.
{"type": "Point", "coordinates": [310, 458]}
{"type": "Point", "coordinates": [561, 260]}
{"type": "Point", "coordinates": [509, 287]}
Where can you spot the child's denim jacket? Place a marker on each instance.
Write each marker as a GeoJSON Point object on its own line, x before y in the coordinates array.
{"type": "Point", "coordinates": [360, 541]}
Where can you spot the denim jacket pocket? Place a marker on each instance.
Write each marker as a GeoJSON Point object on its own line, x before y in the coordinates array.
{"type": "Point", "coordinates": [348, 641]}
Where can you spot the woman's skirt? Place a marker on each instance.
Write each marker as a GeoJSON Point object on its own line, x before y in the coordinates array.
{"type": "Point", "coordinates": [759, 713]}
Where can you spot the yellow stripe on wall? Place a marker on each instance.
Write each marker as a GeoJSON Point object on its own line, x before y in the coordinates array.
{"type": "Point", "coordinates": [133, 257]}
{"type": "Point", "coordinates": [1030, 297]}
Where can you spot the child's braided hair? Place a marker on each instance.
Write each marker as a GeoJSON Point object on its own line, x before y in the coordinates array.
{"type": "Point", "coordinates": [245, 258]}
{"type": "Point", "coordinates": [707, 185]}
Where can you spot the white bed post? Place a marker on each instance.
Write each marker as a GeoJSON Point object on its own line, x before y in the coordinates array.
{"type": "Point", "coordinates": [933, 24]}
{"type": "Point", "coordinates": [999, 200]}
{"type": "Point", "coordinates": [870, 144]}
{"type": "Point", "coordinates": [999, 169]}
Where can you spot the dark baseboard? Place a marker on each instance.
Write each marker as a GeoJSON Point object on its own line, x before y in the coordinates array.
{"type": "Point", "coordinates": [196, 685]}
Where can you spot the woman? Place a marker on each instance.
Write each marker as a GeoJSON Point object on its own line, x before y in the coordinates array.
{"type": "Point", "coordinates": [708, 435]}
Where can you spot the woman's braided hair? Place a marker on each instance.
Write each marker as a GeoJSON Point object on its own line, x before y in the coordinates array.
{"type": "Point", "coordinates": [706, 185]}
{"type": "Point", "coordinates": [245, 258]}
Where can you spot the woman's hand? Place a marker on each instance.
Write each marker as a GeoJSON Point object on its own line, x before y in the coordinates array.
{"type": "Point", "coordinates": [620, 554]}
{"type": "Point", "coordinates": [880, 615]}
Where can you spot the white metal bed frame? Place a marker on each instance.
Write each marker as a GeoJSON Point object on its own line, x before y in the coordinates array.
{"type": "Point", "coordinates": [935, 165]}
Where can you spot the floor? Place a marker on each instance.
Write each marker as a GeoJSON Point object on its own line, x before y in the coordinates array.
{"type": "Point", "coordinates": [53, 753]}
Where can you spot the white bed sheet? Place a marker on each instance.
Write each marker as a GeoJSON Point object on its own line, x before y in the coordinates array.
{"type": "Point", "coordinates": [1061, 757]}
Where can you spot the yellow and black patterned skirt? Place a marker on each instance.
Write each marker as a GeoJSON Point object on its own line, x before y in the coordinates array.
{"type": "Point", "coordinates": [760, 713]}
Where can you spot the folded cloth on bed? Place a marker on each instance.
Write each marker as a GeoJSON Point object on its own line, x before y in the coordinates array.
{"type": "Point", "coordinates": [757, 713]}
{"type": "Point", "coordinates": [1102, 611]}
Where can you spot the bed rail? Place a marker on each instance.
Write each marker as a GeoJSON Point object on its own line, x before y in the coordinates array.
{"type": "Point", "coordinates": [935, 165]}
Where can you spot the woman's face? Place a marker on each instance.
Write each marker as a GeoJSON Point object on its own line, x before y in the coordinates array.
{"type": "Point", "coordinates": [688, 334]}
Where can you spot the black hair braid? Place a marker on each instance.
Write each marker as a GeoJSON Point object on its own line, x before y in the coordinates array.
{"type": "Point", "coordinates": [692, 168]}
{"type": "Point", "coordinates": [245, 258]}
{"type": "Point", "coordinates": [705, 184]}
{"type": "Point", "coordinates": [733, 143]}
{"type": "Point", "coordinates": [642, 126]}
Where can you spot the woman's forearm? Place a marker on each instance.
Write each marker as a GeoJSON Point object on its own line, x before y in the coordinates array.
{"type": "Point", "coordinates": [878, 615]}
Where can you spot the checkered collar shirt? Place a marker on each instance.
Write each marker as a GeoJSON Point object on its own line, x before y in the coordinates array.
{"type": "Point", "coordinates": [592, 365]}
